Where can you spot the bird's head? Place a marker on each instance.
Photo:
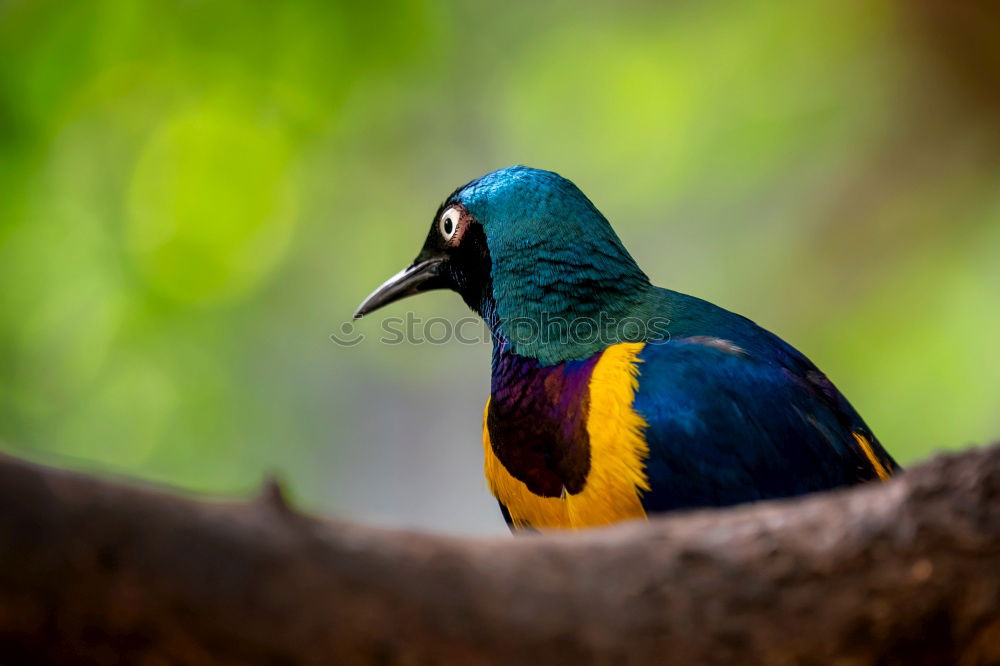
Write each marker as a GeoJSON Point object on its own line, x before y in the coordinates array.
{"type": "Point", "coordinates": [523, 247]}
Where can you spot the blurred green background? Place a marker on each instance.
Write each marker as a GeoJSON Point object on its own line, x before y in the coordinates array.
{"type": "Point", "coordinates": [195, 194]}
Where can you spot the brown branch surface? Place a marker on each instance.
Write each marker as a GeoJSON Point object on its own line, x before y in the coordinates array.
{"type": "Point", "coordinates": [99, 572]}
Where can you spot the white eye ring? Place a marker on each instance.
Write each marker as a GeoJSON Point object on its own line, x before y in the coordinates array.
{"type": "Point", "coordinates": [448, 224]}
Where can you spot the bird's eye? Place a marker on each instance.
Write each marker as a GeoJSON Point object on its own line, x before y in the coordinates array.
{"type": "Point", "coordinates": [448, 223]}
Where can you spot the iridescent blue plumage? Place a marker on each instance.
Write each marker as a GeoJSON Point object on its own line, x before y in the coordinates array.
{"type": "Point", "coordinates": [735, 414]}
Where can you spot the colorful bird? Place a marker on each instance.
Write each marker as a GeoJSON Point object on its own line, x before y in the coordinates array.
{"type": "Point", "coordinates": [611, 398]}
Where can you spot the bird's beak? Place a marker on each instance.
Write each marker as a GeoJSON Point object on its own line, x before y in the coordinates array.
{"type": "Point", "coordinates": [423, 275]}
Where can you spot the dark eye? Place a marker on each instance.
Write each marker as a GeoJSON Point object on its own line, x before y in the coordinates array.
{"type": "Point", "coordinates": [448, 223]}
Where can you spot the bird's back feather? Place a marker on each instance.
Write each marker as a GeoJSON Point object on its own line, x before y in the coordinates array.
{"type": "Point", "coordinates": [724, 427]}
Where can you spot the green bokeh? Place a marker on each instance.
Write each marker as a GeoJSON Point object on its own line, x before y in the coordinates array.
{"type": "Point", "coordinates": [196, 194]}
{"type": "Point", "coordinates": [210, 206]}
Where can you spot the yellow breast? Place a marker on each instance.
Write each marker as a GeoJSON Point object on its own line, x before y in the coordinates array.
{"type": "Point", "coordinates": [618, 452]}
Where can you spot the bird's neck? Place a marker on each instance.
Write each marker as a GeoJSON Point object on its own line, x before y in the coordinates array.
{"type": "Point", "coordinates": [558, 310]}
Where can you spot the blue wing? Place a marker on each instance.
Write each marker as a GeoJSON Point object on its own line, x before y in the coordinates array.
{"type": "Point", "coordinates": [729, 424]}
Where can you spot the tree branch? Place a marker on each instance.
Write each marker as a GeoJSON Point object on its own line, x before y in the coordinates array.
{"type": "Point", "coordinates": [99, 572]}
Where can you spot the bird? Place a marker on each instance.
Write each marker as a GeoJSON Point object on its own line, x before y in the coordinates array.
{"type": "Point", "coordinates": [612, 399]}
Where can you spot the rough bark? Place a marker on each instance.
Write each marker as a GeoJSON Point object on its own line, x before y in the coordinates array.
{"type": "Point", "coordinates": [99, 572]}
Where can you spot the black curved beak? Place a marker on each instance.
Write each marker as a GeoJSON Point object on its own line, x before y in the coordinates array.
{"type": "Point", "coordinates": [423, 275]}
